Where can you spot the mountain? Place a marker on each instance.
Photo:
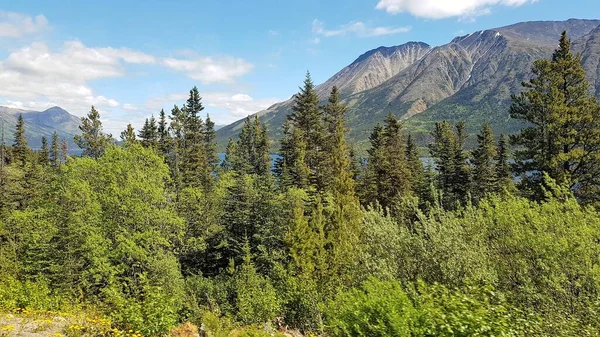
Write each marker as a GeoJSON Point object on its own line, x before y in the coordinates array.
{"type": "Point", "coordinates": [589, 48]}
{"type": "Point", "coordinates": [39, 124]}
{"type": "Point", "coordinates": [368, 71]}
{"type": "Point", "coordinates": [470, 78]}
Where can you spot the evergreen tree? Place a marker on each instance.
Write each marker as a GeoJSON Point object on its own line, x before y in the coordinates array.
{"type": "Point", "coordinates": [231, 156]}
{"type": "Point", "coordinates": [396, 180]}
{"type": "Point", "coordinates": [44, 154]}
{"type": "Point", "coordinates": [502, 170]}
{"type": "Point", "coordinates": [64, 150]}
{"type": "Point", "coordinates": [306, 125]}
{"type": "Point", "coordinates": [253, 149]}
{"type": "Point", "coordinates": [163, 133]}
{"type": "Point", "coordinates": [336, 171]}
{"type": "Point", "coordinates": [451, 163]}
{"type": "Point", "coordinates": [149, 133]}
{"type": "Point", "coordinates": [4, 150]}
{"type": "Point", "coordinates": [55, 150]}
{"type": "Point", "coordinates": [210, 145]}
{"type": "Point", "coordinates": [92, 140]}
{"type": "Point", "coordinates": [417, 171]}
{"type": "Point", "coordinates": [387, 178]}
{"type": "Point", "coordinates": [484, 175]}
{"type": "Point", "coordinates": [262, 162]}
{"type": "Point", "coordinates": [562, 139]}
{"type": "Point", "coordinates": [128, 135]}
{"type": "Point", "coordinates": [194, 167]}
{"type": "Point", "coordinates": [370, 187]}
{"type": "Point", "coordinates": [20, 148]}
{"type": "Point", "coordinates": [291, 166]}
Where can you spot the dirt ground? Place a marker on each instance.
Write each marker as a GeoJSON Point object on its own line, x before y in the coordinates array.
{"type": "Point", "coordinates": [13, 325]}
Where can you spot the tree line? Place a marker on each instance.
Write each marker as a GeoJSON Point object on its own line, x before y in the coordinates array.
{"type": "Point", "coordinates": [158, 230]}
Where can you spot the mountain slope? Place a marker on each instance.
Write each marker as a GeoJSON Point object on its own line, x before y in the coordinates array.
{"type": "Point", "coordinates": [589, 48]}
{"type": "Point", "coordinates": [40, 124]}
{"type": "Point", "coordinates": [368, 71]}
{"type": "Point", "coordinates": [471, 78]}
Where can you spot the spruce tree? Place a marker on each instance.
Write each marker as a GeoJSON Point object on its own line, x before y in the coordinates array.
{"type": "Point", "coordinates": [502, 170]}
{"type": "Point", "coordinates": [262, 162]}
{"type": "Point", "coordinates": [291, 167]}
{"type": "Point", "coordinates": [416, 170]}
{"type": "Point", "coordinates": [451, 163]}
{"type": "Point", "coordinates": [163, 133]}
{"type": "Point", "coordinates": [20, 147]}
{"type": "Point", "coordinates": [306, 124]}
{"type": "Point", "coordinates": [231, 156]}
{"type": "Point", "coordinates": [387, 178]}
{"type": "Point", "coordinates": [55, 150]}
{"type": "Point", "coordinates": [210, 144]}
{"type": "Point", "coordinates": [44, 153]}
{"type": "Point", "coordinates": [370, 186]}
{"type": "Point", "coordinates": [128, 135]}
{"type": "Point", "coordinates": [64, 150]}
{"type": "Point", "coordinates": [149, 133]}
{"type": "Point", "coordinates": [92, 140]}
{"type": "Point", "coordinates": [563, 117]}
{"type": "Point", "coordinates": [336, 171]}
{"type": "Point", "coordinates": [396, 179]}
{"type": "Point", "coordinates": [194, 166]}
{"type": "Point", "coordinates": [484, 175]}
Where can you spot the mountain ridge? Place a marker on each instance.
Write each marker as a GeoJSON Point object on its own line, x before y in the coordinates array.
{"type": "Point", "coordinates": [40, 124]}
{"type": "Point", "coordinates": [471, 78]}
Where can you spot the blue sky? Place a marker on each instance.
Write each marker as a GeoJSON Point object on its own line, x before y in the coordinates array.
{"type": "Point", "coordinates": [132, 58]}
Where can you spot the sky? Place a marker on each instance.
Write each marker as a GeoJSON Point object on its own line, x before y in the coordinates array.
{"type": "Point", "coordinates": [130, 59]}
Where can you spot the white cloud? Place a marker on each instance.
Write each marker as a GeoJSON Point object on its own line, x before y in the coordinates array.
{"type": "Point", "coordinates": [273, 32]}
{"type": "Point", "coordinates": [223, 107]}
{"type": "Point", "coordinates": [438, 9]}
{"type": "Point", "coordinates": [130, 107]}
{"type": "Point", "coordinates": [18, 25]}
{"type": "Point", "coordinates": [37, 77]}
{"type": "Point", "coordinates": [209, 70]}
{"type": "Point", "coordinates": [357, 28]}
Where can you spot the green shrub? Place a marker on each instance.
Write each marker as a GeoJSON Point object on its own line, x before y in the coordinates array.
{"type": "Point", "coordinates": [375, 309]}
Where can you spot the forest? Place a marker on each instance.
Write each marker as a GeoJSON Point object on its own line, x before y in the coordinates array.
{"type": "Point", "coordinates": [154, 233]}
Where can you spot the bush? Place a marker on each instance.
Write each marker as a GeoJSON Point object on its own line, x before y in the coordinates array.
{"type": "Point", "coordinates": [375, 309]}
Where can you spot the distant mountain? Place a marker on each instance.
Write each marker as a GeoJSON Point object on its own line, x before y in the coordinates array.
{"type": "Point", "coordinates": [39, 124]}
{"type": "Point", "coordinates": [471, 78]}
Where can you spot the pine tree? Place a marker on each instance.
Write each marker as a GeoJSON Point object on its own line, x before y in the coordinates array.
{"type": "Point", "coordinates": [64, 150]}
{"type": "Point", "coordinates": [44, 153]}
{"type": "Point", "coordinates": [387, 178]}
{"type": "Point", "coordinates": [484, 175]}
{"type": "Point", "coordinates": [451, 163]}
{"type": "Point", "coordinates": [149, 133]}
{"type": "Point", "coordinates": [396, 180]}
{"type": "Point", "coordinates": [291, 166]}
{"type": "Point", "coordinates": [336, 171]}
{"type": "Point", "coordinates": [194, 167]}
{"type": "Point", "coordinates": [306, 124]}
{"type": "Point", "coordinates": [502, 170]}
{"type": "Point", "coordinates": [163, 134]}
{"type": "Point", "coordinates": [210, 145]}
{"type": "Point", "coordinates": [4, 155]}
{"type": "Point", "coordinates": [55, 150]}
{"type": "Point", "coordinates": [370, 186]}
{"type": "Point", "coordinates": [562, 140]}
{"type": "Point", "coordinates": [231, 156]}
{"type": "Point", "coordinates": [262, 162]}
{"type": "Point", "coordinates": [92, 140]}
{"type": "Point", "coordinates": [128, 135]}
{"type": "Point", "coordinates": [416, 170]}
{"type": "Point", "coordinates": [253, 148]}
{"type": "Point", "coordinates": [20, 147]}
